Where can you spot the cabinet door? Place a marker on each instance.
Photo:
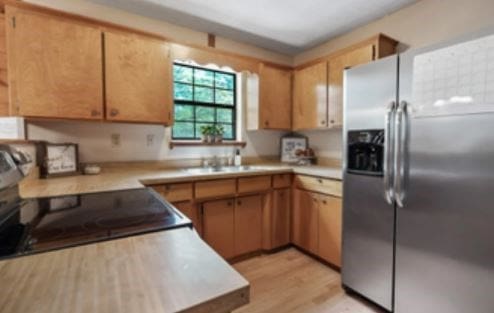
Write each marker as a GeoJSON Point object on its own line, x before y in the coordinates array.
{"type": "Point", "coordinates": [190, 210]}
{"type": "Point", "coordinates": [275, 98]}
{"type": "Point", "coordinates": [138, 79]}
{"type": "Point", "coordinates": [55, 67]}
{"type": "Point", "coordinates": [218, 223]}
{"type": "Point", "coordinates": [280, 217]}
{"type": "Point", "coordinates": [330, 229]}
{"type": "Point", "coordinates": [310, 100]}
{"type": "Point", "coordinates": [336, 68]}
{"type": "Point", "coordinates": [248, 224]}
{"type": "Point", "coordinates": [335, 84]}
{"type": "Point", "coordinates": [305, 220]}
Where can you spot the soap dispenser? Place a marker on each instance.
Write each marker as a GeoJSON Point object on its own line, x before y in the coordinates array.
{"type": "Point", "coordinates": [238, 158]}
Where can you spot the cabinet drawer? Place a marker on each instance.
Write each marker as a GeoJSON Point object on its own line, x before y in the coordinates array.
{"type": "Point", "coordinates": [321, 185]}
{"type": "Point", "coordinates": [215, 188]}
{"type": "Point", "coordinates": [282, 180]}
{"type": "Point", "coordinates": [252, 184]}
{"type": "Point", "coordinates": [175, 192]}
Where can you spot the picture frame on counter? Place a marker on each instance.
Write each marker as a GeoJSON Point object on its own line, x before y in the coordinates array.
{"type": "Point", "coordinates": [289, 144]}
{"type": "Point", "coordinates": [58, 159]}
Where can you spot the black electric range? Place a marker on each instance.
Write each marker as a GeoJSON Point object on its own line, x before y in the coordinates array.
{"type": "Point", "coordinates": [30, 226]}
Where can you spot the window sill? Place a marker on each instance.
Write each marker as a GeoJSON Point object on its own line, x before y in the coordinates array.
{"type": "Point", "coordinates": [193, 143]}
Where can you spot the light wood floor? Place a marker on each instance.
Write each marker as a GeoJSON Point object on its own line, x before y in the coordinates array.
{"type": "Point", "coordinates": [290, 281]}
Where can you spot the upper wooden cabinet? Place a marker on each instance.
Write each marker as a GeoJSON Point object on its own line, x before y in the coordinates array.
{"type": "Point", "coordinates": [310, 97]}
{"type": "Point", "coordinates": [55, 67]}
{"type": "Point", "coordinates": [318, 88]}
{"type": "Point", "coordinates": [337, 66]}
{"type": "Point", "coordinates": [138, 76]}
{"type": "Point", "coordinates": [275, 98]}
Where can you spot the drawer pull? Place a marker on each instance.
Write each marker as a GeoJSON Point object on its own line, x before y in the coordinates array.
{"type": "Point", "coordinates": [319, 181]}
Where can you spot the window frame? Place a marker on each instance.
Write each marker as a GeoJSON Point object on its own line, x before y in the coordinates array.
{"type": "Point", "coordinates": [233, 107]}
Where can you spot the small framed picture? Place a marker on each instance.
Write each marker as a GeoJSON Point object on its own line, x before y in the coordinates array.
{"type": "Point", "coordinates": [289, 145]}
{"type": "Point", "coordinates": [58, 159]}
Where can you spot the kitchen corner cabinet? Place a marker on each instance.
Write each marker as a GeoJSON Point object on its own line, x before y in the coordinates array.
{"type": "Point", "coordinates": [50, 79]}
{"type": "Point", "coordinates": [138, 77]}
{"type": "Point", "coordinates": [280, 218]}
{"type": "Point", "coordinates": [310, 97]}
{"type": "Point", "coordinates": [275, 98]}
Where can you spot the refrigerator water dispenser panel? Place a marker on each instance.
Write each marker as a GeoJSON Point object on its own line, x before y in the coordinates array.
{"type": "Point", "coordinates": [365, 152]}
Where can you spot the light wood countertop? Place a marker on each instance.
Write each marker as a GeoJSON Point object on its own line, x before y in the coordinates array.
{"type": "Point", "coordinates": [167, 271]}
{"type": "Point", "coordinates": [121, 178]}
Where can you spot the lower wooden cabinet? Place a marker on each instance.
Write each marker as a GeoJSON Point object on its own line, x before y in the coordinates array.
{"type": "Point", "coordinates": [218, 222]}
{"type": "Point", "coordinates": [248, 224]}
{"type": "Point", "coordinates": [190, 210]}
{"type": "Point", "coordinates": [233, 227]}
{"type": "Point", "coordinates": [305, 220]}
{"type": "Point", "coordinates": [316, 224]}
{"type": "Point", "coordinates": [277, 218]}
{"type": "Point", "coordinates": [330, 209]}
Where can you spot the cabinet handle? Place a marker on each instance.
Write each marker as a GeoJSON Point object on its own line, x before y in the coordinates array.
{"type": "Point", "coordinates": [113, 112]}
{"type": "Point", "coordinates": [229, 203]}
{"type": "Point", "coordinates": [332, 121]}
{"type": "Point", "coordinates": [167, 187]}
{"type": "Point", "coordinates": [320, 181]}
{"type": "Point", "coordinates": [324, 202]}
{"type": "Point", "coordinates": [95, 113]}
{"type": "Point", "coordinates": [266, 123]}
{"type": "Point", "coordinates": [323, 122]}
{"type": "Point", "coordinates": [239, 202]}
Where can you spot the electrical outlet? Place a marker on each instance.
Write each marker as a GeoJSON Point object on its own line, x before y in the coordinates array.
{"type": "Point", "coordinates": [149, 140]}
{"type": "Point", "coordinates": [115, 140]}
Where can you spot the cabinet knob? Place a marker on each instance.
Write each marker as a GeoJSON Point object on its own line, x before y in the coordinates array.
{"type": "Point", "coordinates": [229, 203]}
{"type": "Point", "coordinates": [95, 113]}
{"type": "Point", "coordinates": [332, 121]}
{"type": "Point", "coordinates": [324, 202]}
{"type": "Point", "coordinates": [319, 181]}
{"type": "Point", "coordinates": [113, 112]}
{"type": "Point", "coordinates": [323, 122]}
{"type": "Point", "coordinates": [266, 123]}
{"type": "Point", "coordinates": [239, 202]}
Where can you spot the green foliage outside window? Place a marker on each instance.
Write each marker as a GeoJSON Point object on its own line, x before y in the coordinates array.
{"type": "Point", "coordinates": [203, 97]}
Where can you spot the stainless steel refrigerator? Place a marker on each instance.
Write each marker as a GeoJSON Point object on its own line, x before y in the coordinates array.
{"type": "Point", "coordinates": [418, 209]}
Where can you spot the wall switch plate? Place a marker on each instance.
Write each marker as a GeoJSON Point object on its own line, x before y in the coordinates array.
{"type": "Point", "coordinates": [149, 140]}
{"type": "Point", "coordinates": [115, 140]}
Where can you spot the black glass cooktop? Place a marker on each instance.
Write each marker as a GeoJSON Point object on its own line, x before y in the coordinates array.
{"type": "Point", "coordinates": [44, 224]}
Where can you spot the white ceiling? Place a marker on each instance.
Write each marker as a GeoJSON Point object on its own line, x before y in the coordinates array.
{"type": "Point", "coordinates": [286, 26]}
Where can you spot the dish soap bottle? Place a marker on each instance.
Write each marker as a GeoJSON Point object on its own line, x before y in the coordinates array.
{"type": "Point", "coordinates": [238, 158]}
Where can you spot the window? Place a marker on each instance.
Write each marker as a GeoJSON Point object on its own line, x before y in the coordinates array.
{"type": "Point", "coordinates": [203, 97]}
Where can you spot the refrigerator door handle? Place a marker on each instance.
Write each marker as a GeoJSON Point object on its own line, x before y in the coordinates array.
{"type": "Point", "coordinates": [388, 152]}
{"type": "Point", "coordinates": [401, 143]}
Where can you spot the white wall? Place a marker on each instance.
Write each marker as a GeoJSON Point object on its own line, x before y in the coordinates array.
{"type": "Point", "coordinates": [423, 23]}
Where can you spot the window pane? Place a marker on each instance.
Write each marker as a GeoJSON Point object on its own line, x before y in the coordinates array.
{"type": "Point", "coordinates": [203, 77]}
{"type": "Point", "coordinates": [184, 112]}
{"type": "Point", "coordinates": [224, 97]}
{"type": "Point", "coordinates": [183, 130]}
{"type": "Point", "coordinates": [228, 134]}
{"type": "Point", "coordinates": [204, 114]}
{"type": "Point", "coordinates": [224, 115]}
{"type": "Point", "coordinates": [224, 80]}
{"type": "Point", "coordinates": [203, 94]}
{"type": "Point", "coordinates": [198, 128]}
{"type": "Point", "coordinates": [182, 74]}
{"type": "Point", "coordinates": [182, 92]}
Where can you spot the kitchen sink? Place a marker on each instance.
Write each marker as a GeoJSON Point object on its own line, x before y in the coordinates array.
{"type": "Point", "coordinates": [221, 169]}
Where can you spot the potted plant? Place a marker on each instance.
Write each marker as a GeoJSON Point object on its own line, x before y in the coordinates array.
{"type": "Point", "coordinates": [218, 133]}
{"type": "Point", "coordinates": [207, 133]}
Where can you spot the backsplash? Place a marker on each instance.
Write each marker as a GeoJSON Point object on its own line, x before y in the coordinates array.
{"type": "Point", "coordinates": [115, 142]}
